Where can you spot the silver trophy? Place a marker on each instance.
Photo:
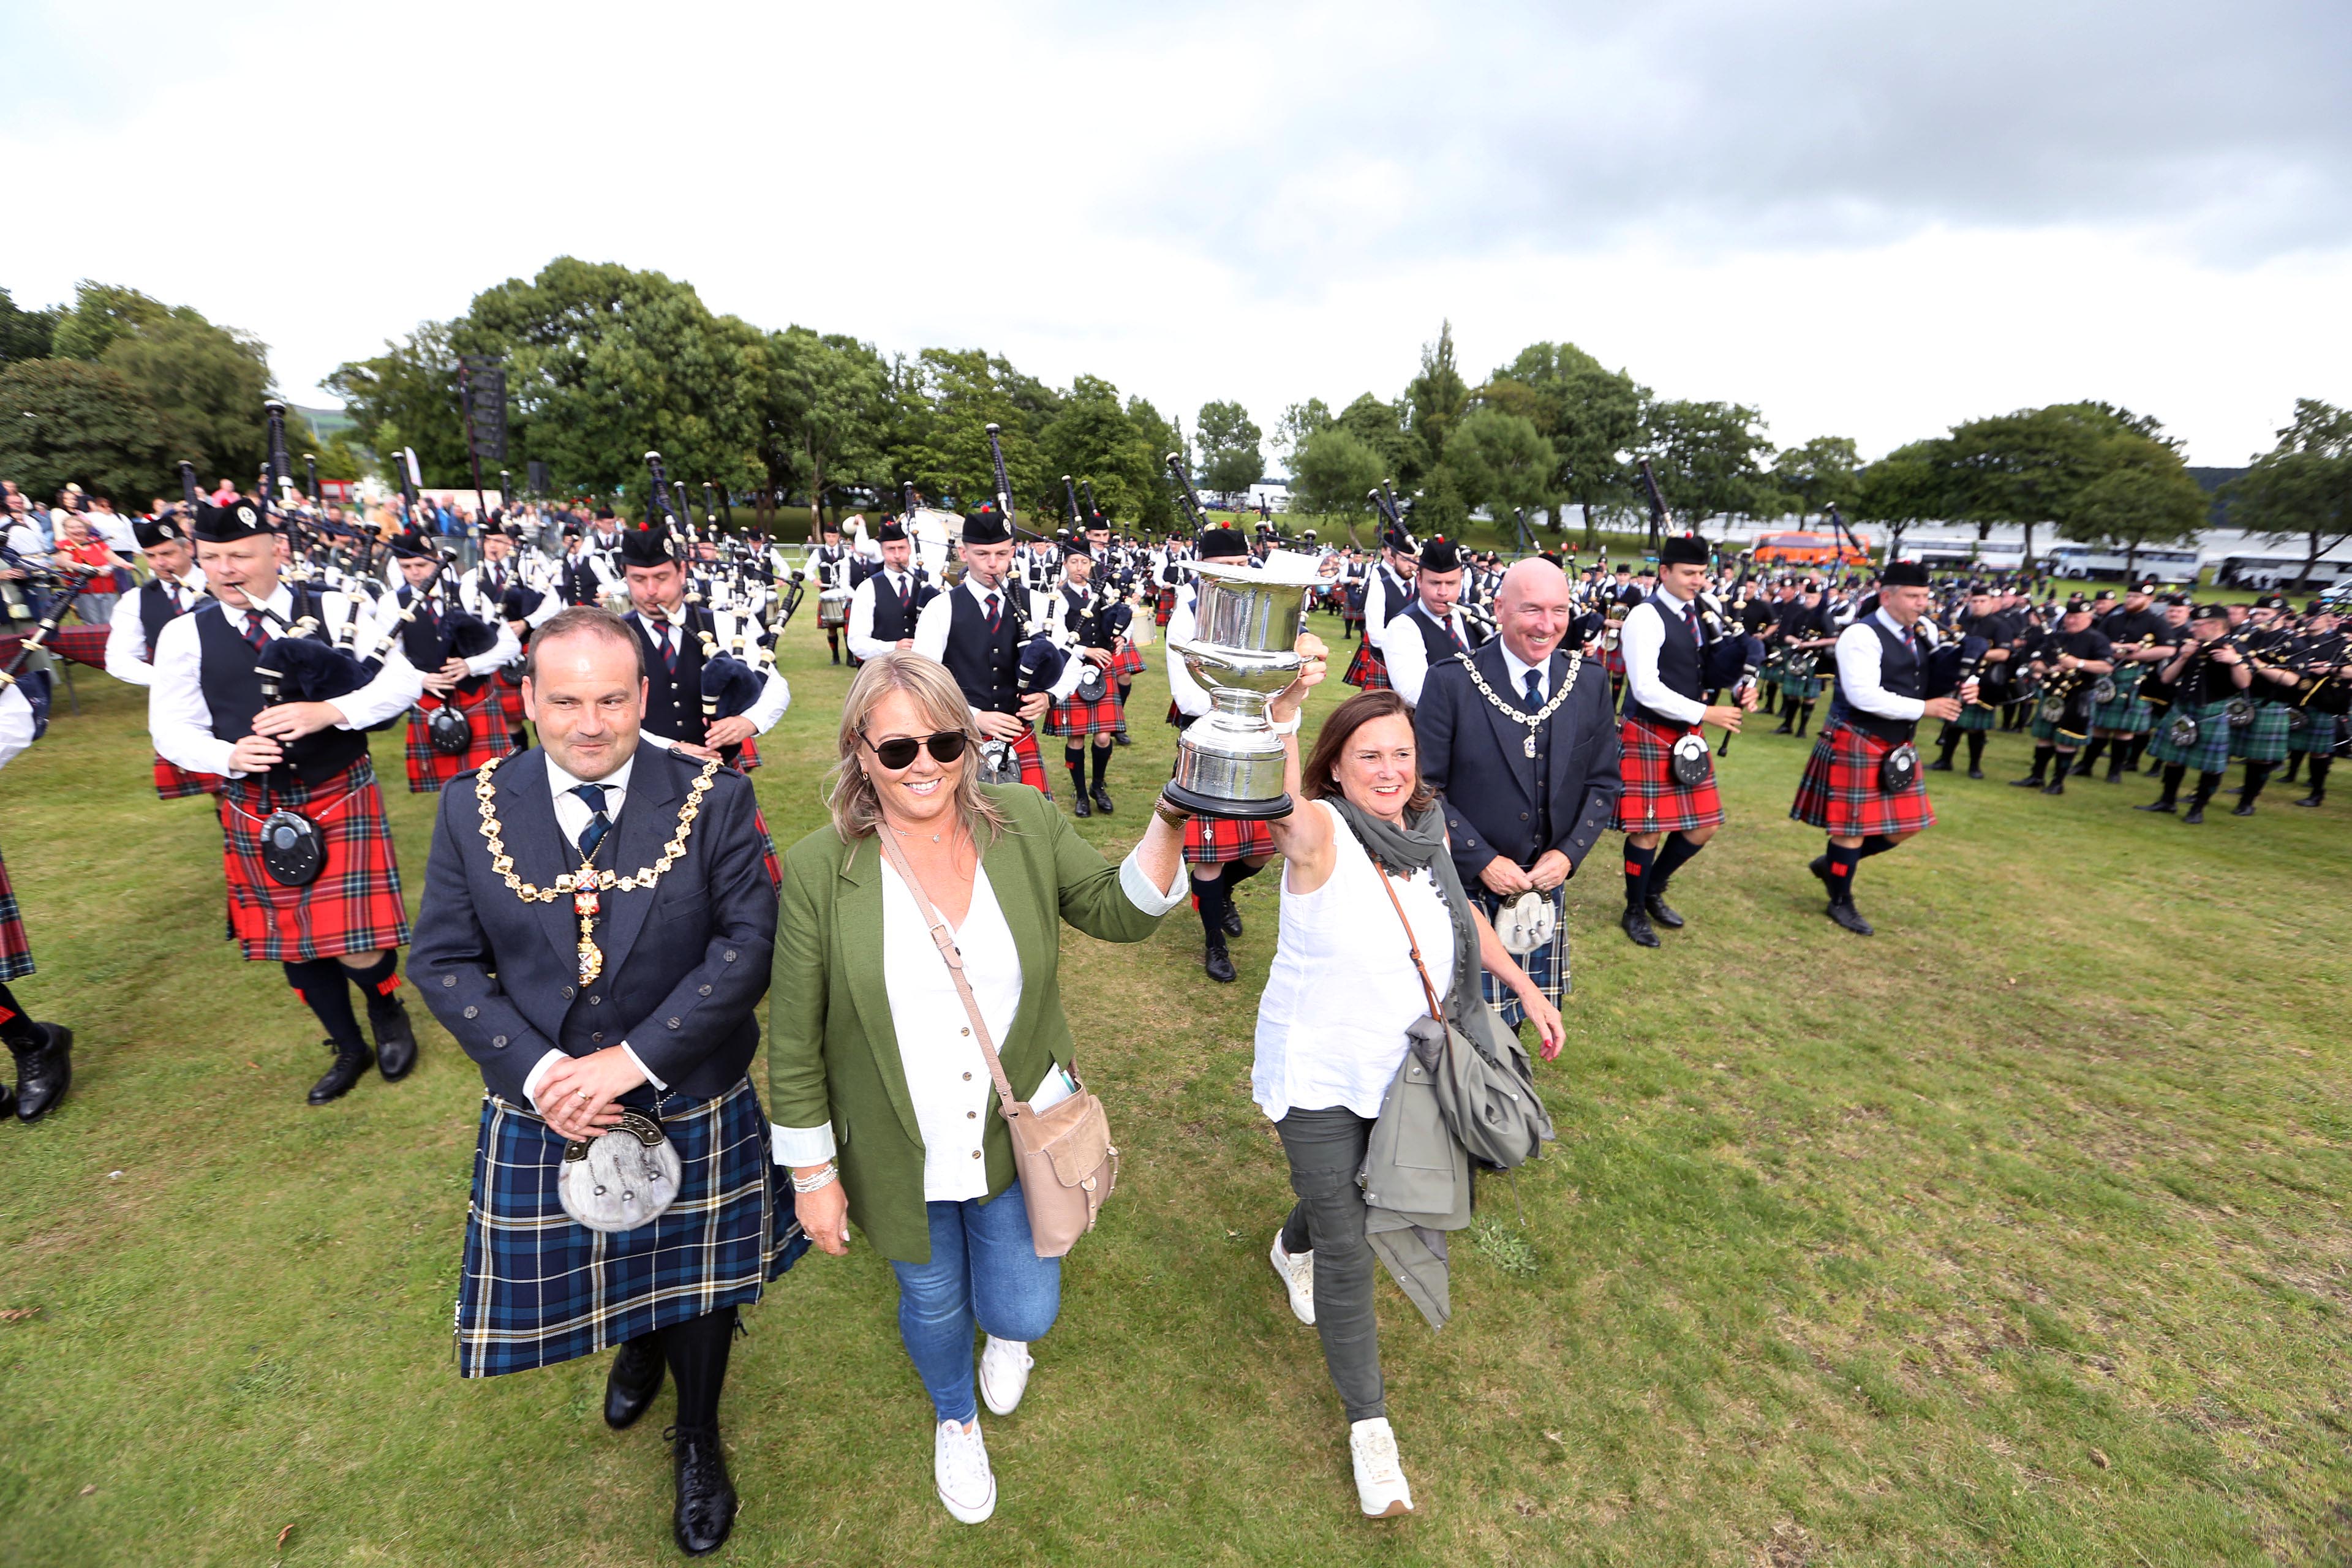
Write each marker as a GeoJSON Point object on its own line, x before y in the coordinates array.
{"type": "Point", "coordinates": [1247, 621]}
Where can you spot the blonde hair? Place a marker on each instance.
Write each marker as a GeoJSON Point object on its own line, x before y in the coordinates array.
{"type": "Point", "coordinates": [849, 793]}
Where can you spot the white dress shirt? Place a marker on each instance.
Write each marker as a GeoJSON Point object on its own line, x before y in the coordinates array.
{"type": "Point", "coordinates": [1639, 637]}
{"type": "Point", "coordinates": [16, 726]}
{"type": "Point", "coordinates": [863, 644]}
{"type": "Point", "coordinates": [938, 619]}
{"type": "Point", "coordinates": [180, 723]}
{"type": "Point", "coordinates": [1520, 669]}
{"type": "Point", "coordinates": [1403, 650]}
{"type": "Point", "coordinates": [127, 652]}
{"type": "Point", "coordinates": [1192, 699]}
{"type": "Point", "coordinates": [503, 652]}
{"type": "Point", "coordinates": [935, 1043]}
{"type": "Point", "coordinates": [573, 816]}
{"type": "Point", "coordinates": [775, 692]}
{"type": "Point", "coordinates": [1859, 655]}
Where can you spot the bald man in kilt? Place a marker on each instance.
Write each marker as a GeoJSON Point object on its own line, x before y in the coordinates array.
{"type": "Point", "coordinates": [631, 1002]}
{"type": "Point", "coordinates": [1856, 786]}
{"type": "Point", "coordinates": [1221, 853]}
{"type": "Point", "coordinates": [211, 710]}
{"type": "Point", "coordinates": [1677, 655]}
{"type": "Point", "coordinates": [43, 1052]}
{"type": "Point", "coordinates": [457, 654]}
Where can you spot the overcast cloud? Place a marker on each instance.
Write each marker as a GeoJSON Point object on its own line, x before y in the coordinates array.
{"type": "Point", "coordinates": [1870, 219]}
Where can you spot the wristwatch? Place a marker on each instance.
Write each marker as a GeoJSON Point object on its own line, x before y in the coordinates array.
{"type": "Point", "coordinates": [1172, 814]}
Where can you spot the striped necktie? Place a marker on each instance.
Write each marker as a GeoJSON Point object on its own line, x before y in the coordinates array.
{"type": "Point", "coordinates": [599, 825]}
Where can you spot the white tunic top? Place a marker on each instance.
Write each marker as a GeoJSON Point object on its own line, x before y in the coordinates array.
{"type": "Point", "coordinates": [1331, 1024]}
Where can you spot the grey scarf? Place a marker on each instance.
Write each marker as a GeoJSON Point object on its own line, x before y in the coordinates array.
{"type": "Point", "coordinates": [1400, 852]}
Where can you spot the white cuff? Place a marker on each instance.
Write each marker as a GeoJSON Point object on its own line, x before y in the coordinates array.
{"type": "Point", "coordinates": [539, 1071]}
{"type": "Point", "coordinates": [638, 1062]}
{"type": "Point", "coordinates": [801, 1145]}
{"type": "Point", "coordinates": [1136, 883]}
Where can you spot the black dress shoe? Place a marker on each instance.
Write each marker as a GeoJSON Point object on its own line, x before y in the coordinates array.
{"type": "Point", "coordinates": [1662, 913]}
{"type": "Point", "coordinates": [1232, 920]}
{"type": "Point", "coordinates": [42, 1072]}
{"type": "Point", "coordinates": [2195, 818]}
{"type": "Point", "coordinates": [1940, 765]}
{"type": "Point", "coordinates": [1084, 807]}
{"type": "Point", "coordinates": [2167, 806]}
{"type": "Point", "coordinates": [1637, 926]}
{"type": "Point", "coordinates": [1976, 773]}
{"type": "Point", "coordinates": [7, 1102]}
{"type": "Point", "coordinates": [630, 1386]}
{"type": "Point", "coordinates": [2055, 786]}
{"type": "Point", "coordinates": [396, 1040]}
{"type": "Point", "coordinates": [2030, 781]}
{"type": "Point", "coordinates": [1784, 729]}
{"type": "Point", "coordinates": [351, 1062]}
{"type": "Point", "coordinates": [2310, 800]}
{"type": "Point", "coordinates": [1850, 918]}
{"type": "Point", "coordinates": [1220, 964]}
{"type": "Point", "coordinates": [1102, 799]}
{"type": "Point", "coordinates": [1121, 739]}
{"type": "Point", "coordinates": [705, 1513]}
{"type": "Point", "coordinates": [2246, 809]}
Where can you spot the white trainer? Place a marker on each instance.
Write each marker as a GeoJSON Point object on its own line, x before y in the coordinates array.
{"type": "Point", "coordinates": [1297, 1271]}
{"type": "Point", "coordinates": [1004, 1373]}
{"type": "Point", "coordinates": [959, 1464]}
{"type": "Point", "coordinates": [1381, 1486]}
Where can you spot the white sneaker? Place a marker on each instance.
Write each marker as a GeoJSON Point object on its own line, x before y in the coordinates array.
{"type": "Point", "coordinates": [1004, 1373]}
{"type": "Point", "coordinates": [1297, 1275]}
{"type": "Point", "coordinates": [959, 1464]}
{"type": "Point", "coordinates": [1381, 1486]}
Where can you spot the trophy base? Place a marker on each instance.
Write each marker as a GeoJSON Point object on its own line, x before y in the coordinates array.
{"type": "Point", "coordinates": [1202, 805]}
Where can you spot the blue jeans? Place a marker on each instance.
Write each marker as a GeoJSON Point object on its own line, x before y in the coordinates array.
{"type": "Point", "coordinates": [985, 1268]}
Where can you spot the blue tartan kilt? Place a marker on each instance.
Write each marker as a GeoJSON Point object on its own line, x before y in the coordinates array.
{"type": "Point", "coordinates": [2264, 740]}
{"type": "Point", "coordinates": [2211, 755]}
{"type": "Point", "coordinates": [539, 1288]}
{"type": "Point", "coordinates": [2318, 736]}
{"type": "Point", "coordinates": [1548, 965]}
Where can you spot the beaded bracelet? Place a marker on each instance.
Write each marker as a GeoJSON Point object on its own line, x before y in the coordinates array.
{"type": "Point", "coordinates": [823, 1178]}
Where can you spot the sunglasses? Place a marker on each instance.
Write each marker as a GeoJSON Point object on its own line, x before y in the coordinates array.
{"type": "Point", "coordinates": [898, 752]}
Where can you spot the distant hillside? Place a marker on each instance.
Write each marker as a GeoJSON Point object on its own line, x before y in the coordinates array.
{"type": "Point", "coordinates": [325, 421]}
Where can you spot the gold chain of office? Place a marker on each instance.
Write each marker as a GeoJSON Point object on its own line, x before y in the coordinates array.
{"type": "Point", "coordinates": [1533, 721]}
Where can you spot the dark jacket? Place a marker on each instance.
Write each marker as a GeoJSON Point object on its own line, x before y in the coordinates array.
{"type": "Point", "coordinates": [685, 963]}
{"type": "Point", "coordinates": [1476, 759]}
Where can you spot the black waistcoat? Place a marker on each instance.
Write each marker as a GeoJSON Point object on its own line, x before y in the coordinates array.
{"type": "Point", "coordinates": [155, 612]}
{"type": "Point", "coordinates": [1678, 659]}
{"type": "Point", "coordinates": [424, 639]}
{"type": "Point", "coordinates": [1900, 675]}
{"type": "Point", "coordinates": [986, 665]}
{"type": "Point", "coordinates": [1396, 594]}
{"type": "Point", "coordinates": [892, 620]}
{"type": "Point", "coordinates": [673, 699]}
{"type": "Point", "coordinates": [1437, 640]}
{"type": "Point", "coordinates": [233, 692]}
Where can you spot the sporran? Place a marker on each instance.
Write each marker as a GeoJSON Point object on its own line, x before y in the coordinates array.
{"type": "Point", "coordinates": [1899, 770]}
{"type": "Point", "coordinates": [625, 1178]}
{"type": "Point", "coordinates": [1525, 923]}
{"type": "Point", "coordinates": [1691, 762]}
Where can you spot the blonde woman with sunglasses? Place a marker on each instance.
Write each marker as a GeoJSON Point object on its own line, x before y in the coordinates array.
{"type": "Point", "coordinates": [882, 1102]}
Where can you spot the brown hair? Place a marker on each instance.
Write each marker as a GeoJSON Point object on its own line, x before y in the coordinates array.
{"type": "Point", "coordinates": [1315, 779]}
{"type": "Point", "coordinates": [849, 794]}
{"type": "Point", "coordinates": [582, 620]}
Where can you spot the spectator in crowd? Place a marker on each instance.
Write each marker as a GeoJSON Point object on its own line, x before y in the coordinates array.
{"type": "Point", "coordinates": [78, 548]}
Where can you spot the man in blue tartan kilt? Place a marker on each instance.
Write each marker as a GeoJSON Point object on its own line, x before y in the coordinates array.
{"type": "Point", "coordinates": [1885, 672]}
{"type": "Point", "coordinates": [248, 688]}
{"type": "Point", "coordinates": [1519, 740]}
{"type": "Point", "coordinates": [1221, 853]}
{"type": "Point", "coordinates": [598, 917]}
{"type": "Point", "coordinates": [2203, 674]}
{"type": "Point", "coordinates": [43, 1052]}
{"type": "Point", "coordinates": [2138, 635]}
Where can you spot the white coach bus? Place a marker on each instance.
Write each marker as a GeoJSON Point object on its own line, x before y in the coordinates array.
{"type": "Point", "coordinates": [2088, 560]}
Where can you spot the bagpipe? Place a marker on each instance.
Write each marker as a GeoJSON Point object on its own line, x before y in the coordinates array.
{"type": "Point", "coordinates": [733, 675]}
{"type": "Point", "coordinates": [297, 667]}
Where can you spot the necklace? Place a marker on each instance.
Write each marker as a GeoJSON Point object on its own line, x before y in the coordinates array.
{"type": "Point", "coordinates": [1533, 721]}
{"type": "Point", "coordinates": [585, 884]}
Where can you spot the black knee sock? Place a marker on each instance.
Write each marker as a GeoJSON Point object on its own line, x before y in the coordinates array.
{"type": "Point", "coordinates": [2088, 757]}
{"type": "Point", "coordinates": [17, 1030]}
{"type": "Point", "coordinates": [2294, 765]}
{"type": "Point", "coordinates": [1638, 863]}
{"type": "Point", "coordinates": [1673, 856]}
{"type": "Point", "coordinates": [1102, 763]}
{"type": "Point", "coordinates": [696, 1351]}
{"type": "Point", "coordinates": [379, 980]}
{"type": "Point", "coordinates": [2319, 765]}
{"type": "Point", "coordinates": [1211, 899]}
{"type": "Point", "coordinates": [2257, 775]}
{"type": "Point", "coordinates": [1843, 861]}
{"type": "Point", "coordinates": [2173, 774]}
{"type": "Point", "coordinates": [1976, 749]}
{"type": "Point", "coordinates": [2138, 745]}
{"type": "Point", "coordinates": [320, 983]}
{"type": "Point", "coordinates": [2118, 760]}
{"type": "Point", "coordinates": [2042, 755]}
{"type": "Point", "coordinates": [1804, 717]}
{"type": "Point", "coordinates": [1948, 741]}
{"type": "Point", "coordinates": [1240, 871]}
{"type": "Point", "coordinates": [1876, 843]}
{"type": "Point", "coordinates": [1075, 759]}
{"type": "Point", "coordinates": [2206, 785]}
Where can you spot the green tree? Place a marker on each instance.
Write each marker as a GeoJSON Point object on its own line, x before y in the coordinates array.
{"type": "Point", "coordinates": [1299, 421]}
{"type": "Point", "coordinates": [1592, 416]}
{"type": "Point", "coordinates": [1820, 473]}
{"type": "Point", "coordinates": [1162, 436]}
{"type": "Point", "coordinates": [24, 334]}
{"type": "Point", "coordinates": [102, 312]}
{"type": "Point", "coordinates": [2301, 489]}
{"type": "Point", "coordinates": [825, 414]}
{"type": "Point", "coordinates": [966, 390]}
{"type": "Point", "coordinates": [1497, 460]}
{"type": "Point", "coordinates": [2147, 498]}
{"type": "Point", "coordinates": [1092, 438]}
{"type": "Point", "coordinates": [1900, 491]}
{"type": "Point", "coordinates": [2031, 467]}
{"type": "Point", "coordinates": [1334, 475]}
{"type": "Point", "coordinates": [207, 387]}
{"type": "Point", "coordinates": [62, 421]}
{"type": "Point", "coordinates": [1229, 456]}
{"type": "Point", "coordinates": [1434, 401]}
{"type": "Point", "coordinates": [1708, 457]}
{"type": "Point", "coordinates": [405, 396]}
{"type": "Point", "coordinates": [1380, 427]}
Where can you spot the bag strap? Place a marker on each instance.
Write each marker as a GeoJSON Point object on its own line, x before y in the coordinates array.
{"type": "Point", "coordinates": [1411, 942]}
{"type": "Point", "coordinates": [944, 940]}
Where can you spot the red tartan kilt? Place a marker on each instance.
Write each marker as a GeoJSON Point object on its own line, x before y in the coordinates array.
{"type": "Point", "coordinates": [1077, 718]}
{"type": "Point", "coordinates": [749, 757]}
{"type": "Point", "coordinates": [510, 702]}
{"type": "Point", "coordinates": [1165, 607]}
{"type": "Point", "coordinates": [1613, 661]}
{"type": "Point", "coordinates": [354, 906]}
{"type": "Point", "coordinates": [1651, 802]}
{"type": "Point", "coordinates": [1214, 840]}
{"type": "Point", "coordinates": [1033, 762]}
{"type": "Point", "coordinates": [1840, 792]}
{"type": "Point", "coordinates": [1368, 669]}
{"type": "Point", "coordinates": [16, 947]}
{"type": "Point", "coordinates": [428, 769]}
{"type": "Point", "coordinates": [173, 782]}
{"type": "Point", "coordinates": [768, 846]}
{"type": "Point", "coordinates": [1126, 662]}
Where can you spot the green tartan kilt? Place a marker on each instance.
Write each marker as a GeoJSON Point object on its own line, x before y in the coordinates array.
{"type": "Point", "coordinates": [2317, 738]}
{"type": "Point", "coordinates": [2264, 740]}
{"type": "Point", "coordinates": [1978, 716]}
{"type": "Point", "coordinates": [2211, 755]}
{"type": "Point", "coordinates": [2126, 714]}
{"type": "Point", "coordinates": [1802, 688]}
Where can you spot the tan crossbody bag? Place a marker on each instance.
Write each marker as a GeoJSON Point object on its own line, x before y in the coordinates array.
{"type": "Point", "coordinates": [1063, 1155]}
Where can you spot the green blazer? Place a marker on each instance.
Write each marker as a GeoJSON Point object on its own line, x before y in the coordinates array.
{"type": "Point", "coordinates": [832, 1053]}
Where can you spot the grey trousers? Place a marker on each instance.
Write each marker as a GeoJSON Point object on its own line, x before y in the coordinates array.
{"type": "Point", "coordinates": [1325, 1149]}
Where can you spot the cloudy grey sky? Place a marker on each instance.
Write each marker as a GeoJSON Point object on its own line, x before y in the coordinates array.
{"type": "Point", "coordinates": [1866, 218]}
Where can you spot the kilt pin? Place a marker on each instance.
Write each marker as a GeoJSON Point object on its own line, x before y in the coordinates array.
{"type": "Point", "coordinates": [1840, 791]}
{"type": "Point", "coordinates": [354, 906]}
{"type": "Point", "coordinates": [1651, 802]}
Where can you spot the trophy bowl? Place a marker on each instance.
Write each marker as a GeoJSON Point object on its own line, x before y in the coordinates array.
{"type": "Point", "coordinates": [1247, 621]}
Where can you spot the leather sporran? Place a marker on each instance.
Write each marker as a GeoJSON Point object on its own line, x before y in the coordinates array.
{"type": "Point", "coordinates": [1062, 1154]}
{"type": "Point", "coordinates": [450, 731]}
{"type": "Point", "coordinates": [1090, 683]}
{"type": "Point", "coordinates": [1899, 769]}
{"type": "Point", "coordinates": [626, 1178]}
{"type": "Point", "coordinates": [998, 763]}
{"type": "Point", "coordinates": [2180, 731]}
{"type": "Point", "coordinates": [293, 850]}
{"type": "Point", "coordinates": [1690, 761]}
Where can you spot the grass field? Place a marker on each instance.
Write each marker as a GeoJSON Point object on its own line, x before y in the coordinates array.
{"type": "Point", "coordinates": [2014, 1236]}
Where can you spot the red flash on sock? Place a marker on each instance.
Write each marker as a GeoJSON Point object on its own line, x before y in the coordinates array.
{"type": "Point", "coordinates": [386, 987]}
